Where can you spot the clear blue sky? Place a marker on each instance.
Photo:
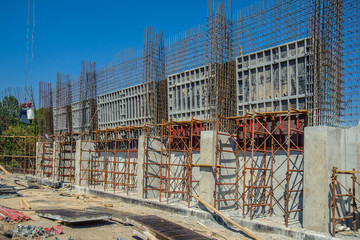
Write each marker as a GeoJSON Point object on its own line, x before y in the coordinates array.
{"type": "Point", "coordinates": [67, 31]}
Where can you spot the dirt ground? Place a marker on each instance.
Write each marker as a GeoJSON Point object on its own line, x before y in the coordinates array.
{"type": "Point", "coordinates": [48, 198]}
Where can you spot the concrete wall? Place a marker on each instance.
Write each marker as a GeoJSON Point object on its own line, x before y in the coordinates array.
{"type": "Point", "coordinates": [325, 148]}
{"type": "Point", "coordinates": [260, 177]}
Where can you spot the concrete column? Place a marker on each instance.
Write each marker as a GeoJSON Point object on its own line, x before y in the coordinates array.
{"type": "Point", "coordinates": [140, 167]}
{"type": "Point", "coordinates": [77, 162]}
{"type": "Point", "coordinates": [315, 174]}
{"type": "Point", "coordinates": [325, 148]}
{"type": "Point", "coordinates": [39, 157]}
{"type": "Point", "coordinates": [83, 156]}
{"type": "Point", "coordinates": [55, 160]}
{"type": "Point", "coordinates": [207, 156]}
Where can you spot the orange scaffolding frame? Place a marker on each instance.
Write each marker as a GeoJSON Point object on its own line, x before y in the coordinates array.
{"type": "Point", "coordinates": [339, 193]}
{"type": "Point", "coordinates": [47, 157]}
{"type": "Point", "coordinates": [18, 153]}
{"type": "Point", "coordinates": [108, 158]}
{"type": "Point", "coordinates": [171, 173]}
{"type": "Point", "coordinates": [256, 142]}
{"type": "Point", "coordinates": [65, 156]}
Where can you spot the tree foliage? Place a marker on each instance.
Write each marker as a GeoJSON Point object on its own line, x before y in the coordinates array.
{"type": "Point", "coordinates": [9, 119]}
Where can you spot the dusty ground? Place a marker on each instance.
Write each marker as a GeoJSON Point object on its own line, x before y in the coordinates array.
{"type": "Point", "coordinates": [48, 198]}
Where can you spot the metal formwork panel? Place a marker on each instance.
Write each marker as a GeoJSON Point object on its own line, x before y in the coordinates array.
{"type": "Point", "coordinates": [273, 78]}
{"type": "Point", "coordinates": [186, 93]}
{"type": "Point", "coordinates": [121, 108]}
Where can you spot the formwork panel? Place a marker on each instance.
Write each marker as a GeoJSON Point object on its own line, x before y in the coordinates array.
{"type": "Point", "coordinates": [186, 93]}
{"type": "Point", "coordinates": [122, 108]}
{"type": "Point", "coordinates": [272, 78]}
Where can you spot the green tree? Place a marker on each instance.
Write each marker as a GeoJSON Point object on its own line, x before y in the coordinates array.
{"type": "Point", "coordinates": [9, 111]}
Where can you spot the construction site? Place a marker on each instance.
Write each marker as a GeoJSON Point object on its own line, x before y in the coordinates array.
{"type": "Point", "coordinates": [246, 126]}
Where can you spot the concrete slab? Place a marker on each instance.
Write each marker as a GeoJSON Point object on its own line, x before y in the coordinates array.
{"type": "Point", "coordinates": [72, 215]}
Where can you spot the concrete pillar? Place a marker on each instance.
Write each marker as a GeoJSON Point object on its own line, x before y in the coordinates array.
{"type": "Point", "coordinates": [325, 148]}
{"type": "Point", "coordinates": [84, 155]}
{"type": "Point", "coordinates": [207, 156]}
{"type": "Point", "coordinates": [140, 167]}
{"type": "Point", "coordinates": [55, 161]}
{"type": "Point", "coordinates": [39, 157]}
{"type": "Point", "coordinates": [77, 162]}
{"type": "Point", "coordinates": [315, 179]}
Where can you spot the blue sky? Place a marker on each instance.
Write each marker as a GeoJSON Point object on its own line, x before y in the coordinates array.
{"type": "Point", "coordinates": [67, 31]}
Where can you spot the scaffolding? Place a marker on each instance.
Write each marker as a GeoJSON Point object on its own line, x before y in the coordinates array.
{"type": "Point", "coordinates": [65, 149]}
{"type": "Point", "coordinates": [46, 166]}
{"type": "Point", "coordinates": [17, 153]}
{"type": "Point", "coordinates": [249, 155]}
{"type": "Point", "coordinates": [345, 199]}
{"type": "Point", "coordinates": [108, 158]}
{"type": "Point", "coordinates": [171, 159]}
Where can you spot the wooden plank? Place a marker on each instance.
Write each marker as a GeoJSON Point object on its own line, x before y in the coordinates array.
{"type": "Point", "coordinates": [26, 203]}
{"type": "Point", "coordinates": [4, 170]}
{"type": "Point", "coordinates": [206, 165]}
{"type": "Point", "coordinates": [250, 234]}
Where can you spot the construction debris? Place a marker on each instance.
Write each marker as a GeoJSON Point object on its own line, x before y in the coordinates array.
{"type": "Point", "coordinates": [7, 191]}
{"type": "Point", "coordinates": [63, 188]}
{"type": "Point", "coordinates": [8, 214]}
{"type": "Point", "coordinates": [34, 231]}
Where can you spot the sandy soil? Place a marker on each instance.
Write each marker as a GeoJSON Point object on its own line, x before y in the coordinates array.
{"type": "Point", "coordinates": [48, 198]}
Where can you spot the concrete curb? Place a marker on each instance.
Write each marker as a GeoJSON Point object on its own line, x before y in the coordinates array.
{"type": "Point", "coordinates": [254, 225]}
